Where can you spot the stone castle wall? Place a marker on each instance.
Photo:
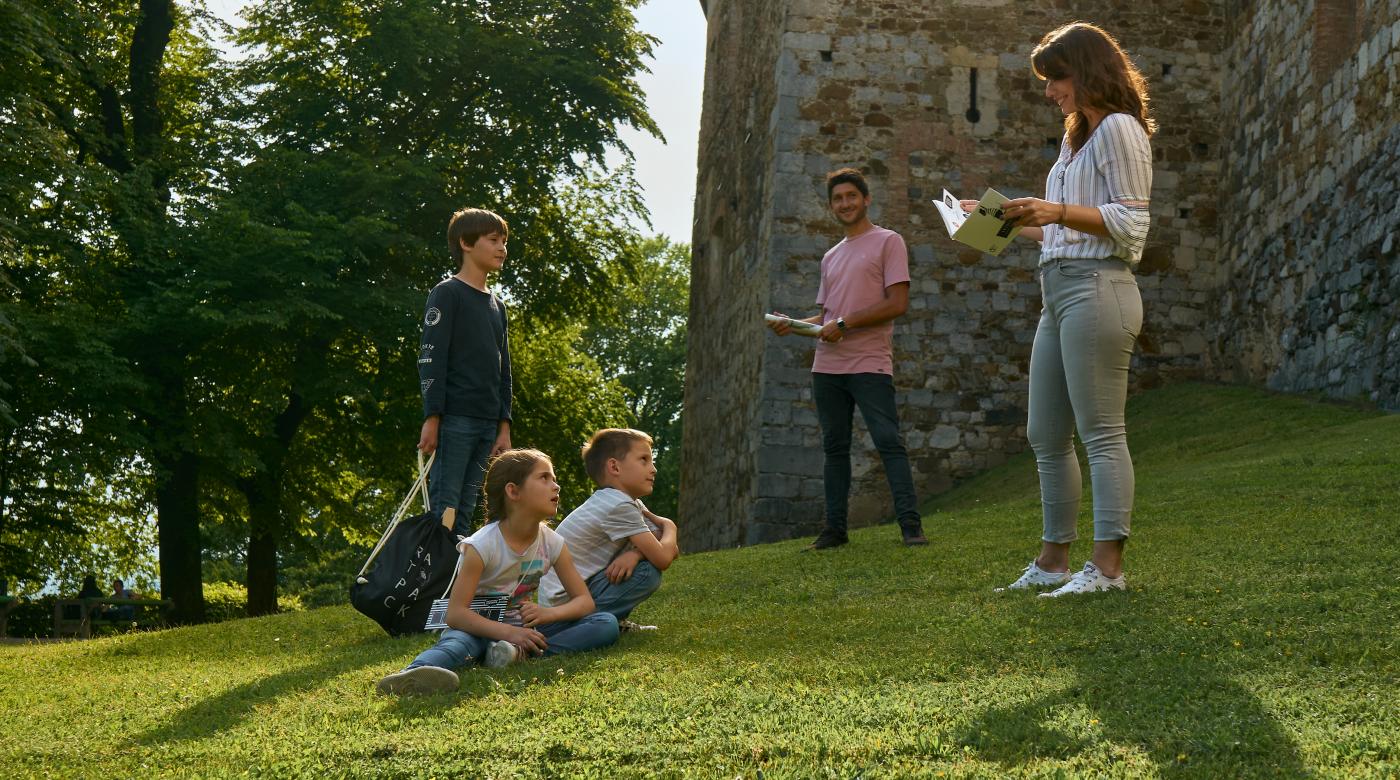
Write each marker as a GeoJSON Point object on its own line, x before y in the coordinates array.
{"type": "Point", "coordinates": [730, 280]}
{"type": "Point", "coordinates": [889, 88]}
{"type": "Point", "coordinates": [1310, 256]}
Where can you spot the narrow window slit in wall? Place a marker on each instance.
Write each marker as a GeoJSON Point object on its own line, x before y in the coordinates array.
{"type": "Point", "coordinates": [972, 113]}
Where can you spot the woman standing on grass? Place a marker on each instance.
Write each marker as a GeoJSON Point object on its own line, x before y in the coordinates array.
{"type": "Point", "coordinates": [1092, 225]}
{"type": "Point", "coordinates": [504, 561]}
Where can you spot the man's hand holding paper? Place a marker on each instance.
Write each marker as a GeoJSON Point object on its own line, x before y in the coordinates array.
{"type": "Point", "coordinates": [782, 324]}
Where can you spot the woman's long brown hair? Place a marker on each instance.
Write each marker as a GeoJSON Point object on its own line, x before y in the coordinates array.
{"type": "Point", "coordinates": [1103, 76]}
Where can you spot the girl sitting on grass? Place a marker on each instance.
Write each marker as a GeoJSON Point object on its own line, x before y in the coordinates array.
{"type": "Point", "coordinates": [506, 560]}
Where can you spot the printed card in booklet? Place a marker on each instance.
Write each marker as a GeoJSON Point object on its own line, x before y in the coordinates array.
{"type": "Point", "coordinates": [984, 229]}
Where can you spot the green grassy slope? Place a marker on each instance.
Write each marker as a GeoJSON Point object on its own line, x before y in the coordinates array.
{"type": "Point", "coordinates": [1258, 639]}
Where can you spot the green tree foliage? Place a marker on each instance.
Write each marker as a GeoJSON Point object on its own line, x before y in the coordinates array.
{"type": "Point", "coordinates": [216, 269]}
{"type": "Point", "coordinates": [112, 99]}
{"type": "Point", "coordinates": [643, 344]}
{"type": "Point", "coordinates": [373, 122]}
{"type": "Point", "coordinates": [563, 395]}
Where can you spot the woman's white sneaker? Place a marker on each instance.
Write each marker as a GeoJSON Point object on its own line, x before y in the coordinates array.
{"type": "Point", "coordinates": [1088, 580]}
{"type": "Point", "coordinates": [1036, 577]}
{"type": "Point", "coordinates": [500, 654]}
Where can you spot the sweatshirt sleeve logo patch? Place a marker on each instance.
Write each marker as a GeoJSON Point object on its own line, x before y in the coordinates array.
{"type": "Point", "coordinates": [433, 317]}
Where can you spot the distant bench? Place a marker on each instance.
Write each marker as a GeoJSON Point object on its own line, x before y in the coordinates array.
{"type": "Point", "coordinates": [90, 614]}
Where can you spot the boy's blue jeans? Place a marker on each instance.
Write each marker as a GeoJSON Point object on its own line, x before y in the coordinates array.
{"type": "Point", "coordinates": [455, 648]}
{"type": "Point", "coordinates": [623, 597]}
{"type": "Point", "coordinates": [837, 396]}
{"type": "Point", "coordinates": [464, 446]}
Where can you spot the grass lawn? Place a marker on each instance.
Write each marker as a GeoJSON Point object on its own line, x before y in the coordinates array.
{"type": "Point", "coordinates": [1258, 638]}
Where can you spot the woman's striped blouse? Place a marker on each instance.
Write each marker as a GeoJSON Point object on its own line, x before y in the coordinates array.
{"type": "Point", "coordinates": [1112, 171]}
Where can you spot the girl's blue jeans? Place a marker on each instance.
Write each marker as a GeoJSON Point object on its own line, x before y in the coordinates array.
{"type": "Point", "coordinates": [454, 649]}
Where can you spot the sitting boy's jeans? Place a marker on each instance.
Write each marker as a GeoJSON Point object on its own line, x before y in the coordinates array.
{"type": "Point", "coordinates": [455, 648]}
{"type": "Point", "coordinates": [464, 446]}
{"type": "Point", "coordinates": [623, 597]}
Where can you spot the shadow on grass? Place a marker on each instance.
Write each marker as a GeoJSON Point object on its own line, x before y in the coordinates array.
{"type": "Point", "coordinates": [226, 710]}
{"type": "Point", "coordinates": [1180, 709]}
{"type": "Point", "coordinates": [478, 682]}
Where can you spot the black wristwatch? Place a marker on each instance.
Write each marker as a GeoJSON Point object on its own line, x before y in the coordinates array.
{"type": "Point", "coordinates": [841, 324]}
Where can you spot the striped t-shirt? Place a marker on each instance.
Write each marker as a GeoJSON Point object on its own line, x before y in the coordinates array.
{"type": "Point", "coordinates": [596, 532]}
{"type": "Point", "coordinates": [1112, 171]}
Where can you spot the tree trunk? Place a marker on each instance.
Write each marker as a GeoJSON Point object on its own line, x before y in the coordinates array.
{"type": "Point", "coordinates": [177, 520]}
{"type": "Point", "coordinates": [263, 491]}
{"type": "Point", "coordinates": [264, 496]}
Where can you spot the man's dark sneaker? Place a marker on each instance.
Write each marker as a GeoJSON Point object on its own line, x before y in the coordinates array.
{"type": "Point", "coordinates": [827, 539]}
{"type": "Point", "coordinates": [914, 536]}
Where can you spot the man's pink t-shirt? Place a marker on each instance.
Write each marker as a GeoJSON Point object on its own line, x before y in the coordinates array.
{"type": "Point", "coordinates": [855, 274]}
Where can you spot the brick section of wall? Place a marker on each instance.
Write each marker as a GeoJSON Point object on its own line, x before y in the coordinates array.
{"type": "Point", "coordinates": [1310, 203]}
{"type": "Point", "coordinates": [1333, 35]}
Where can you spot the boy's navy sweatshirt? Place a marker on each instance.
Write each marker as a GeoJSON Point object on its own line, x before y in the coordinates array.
{"type": "Point", "coordinates": [464, 358]}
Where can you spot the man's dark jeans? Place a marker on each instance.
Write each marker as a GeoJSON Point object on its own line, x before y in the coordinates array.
{"type": "Point", "coordinates": [837, 395]}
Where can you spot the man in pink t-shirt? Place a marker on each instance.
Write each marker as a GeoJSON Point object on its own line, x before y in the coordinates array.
{"type": "Point", "coordinates": [864, 287]}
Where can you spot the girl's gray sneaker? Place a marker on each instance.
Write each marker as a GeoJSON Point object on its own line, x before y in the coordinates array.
{"type": "Point", "coordinates": [418, 681]}
{"type": "Point", "coordinates": [500, 654]}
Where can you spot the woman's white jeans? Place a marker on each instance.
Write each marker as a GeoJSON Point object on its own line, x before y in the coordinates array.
{"type": "Point", "coordinates": [1090, 319]}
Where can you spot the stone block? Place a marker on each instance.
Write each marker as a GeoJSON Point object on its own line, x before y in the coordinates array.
{"type": "Point", "coordinates": [774, 510]}
{"type": "Point", "coordinates": [806, 42]}
{"type": "Point", "coordinates": [945, 437]}
{"type": "Point", "coordinates": [778, 486]}
{"type": "Point", "coordinates": [790, 460]}
{"type": "Point", "coordinates": [765, 532]}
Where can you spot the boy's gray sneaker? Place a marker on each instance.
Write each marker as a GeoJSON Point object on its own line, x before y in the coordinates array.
{"type": "Point", "coordinates": [418, 681]}
{"type": "Point", "coordinates": [627, 625]}
{"type": "Point", "coordinates": [500, 654]}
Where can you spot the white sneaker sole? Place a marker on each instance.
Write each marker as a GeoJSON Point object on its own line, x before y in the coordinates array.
{"type": "Point", "coordinates": [1060, 579]}
{"type": "Point", "coordinates": [1096, 588]}
{"type": "Point", "coordinates": [1031, 586]}
{"type": "Point", "coordinates": [418, 681]}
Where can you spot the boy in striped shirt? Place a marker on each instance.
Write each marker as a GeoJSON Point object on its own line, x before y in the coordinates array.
{"type": "Point", "coordinates": [619, 546]}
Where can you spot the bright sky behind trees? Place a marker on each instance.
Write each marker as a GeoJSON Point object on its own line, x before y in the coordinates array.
{"type": "Point", "coordinates": [666, 171]}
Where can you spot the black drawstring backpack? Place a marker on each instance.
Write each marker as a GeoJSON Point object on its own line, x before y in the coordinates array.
{"type": "Point", "coordinates": [412, 565]}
